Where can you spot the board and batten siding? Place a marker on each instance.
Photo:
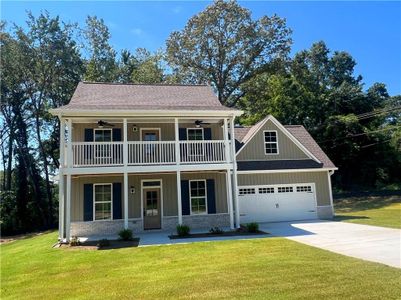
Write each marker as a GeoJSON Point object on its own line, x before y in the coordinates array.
{"type": "Point", "coordinates": [169, 186]}
{"type": "Point", "coordinates": [255, 149]}
{"type": "Point", "coordinates": [319, 178]}
{"type": "Point", "coordinates": [167, 130]}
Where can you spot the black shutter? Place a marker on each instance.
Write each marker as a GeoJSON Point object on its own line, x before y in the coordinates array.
{"type": "Point", "coordinates": [185, 197]}
{"type": "Point", "coordinates": [207, 134]}
{"type": "Point", "coordinates": [116, 134]}
{"type": "Point", "coordinates": [182, 134]}
{"type": "Point", "coordinates": [211, 196]}
{"type": "Point", "coordinates": [117, 207]}
{"type": "Point", "coordinates": [88, 134]}
{"type": "Point", "coordinates": [88, 202]}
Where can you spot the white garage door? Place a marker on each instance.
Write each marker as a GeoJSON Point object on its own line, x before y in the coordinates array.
{"type": "Point", "coordinates": [274, 203]}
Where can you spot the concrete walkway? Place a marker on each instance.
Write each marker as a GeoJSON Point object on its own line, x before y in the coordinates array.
{"type": "Point", "coordinates": [372, 243]}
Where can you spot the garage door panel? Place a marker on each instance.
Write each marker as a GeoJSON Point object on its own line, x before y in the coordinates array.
{"type": "Point", "coordinates": [277, 203]}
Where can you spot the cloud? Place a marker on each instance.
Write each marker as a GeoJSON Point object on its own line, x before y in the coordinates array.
{"type": "Point", "coordinates": [136, 31]}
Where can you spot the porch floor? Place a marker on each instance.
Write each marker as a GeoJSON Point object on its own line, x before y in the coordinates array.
{"type": "Point", "coordinates": [160, 237]}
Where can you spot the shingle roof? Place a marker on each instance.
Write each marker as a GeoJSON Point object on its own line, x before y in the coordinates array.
{"type": "Point", "coordinates": [303, 136]}
{"type": "Point", "coordinates": [278, 164]}
{"type": "Point", "coordinates": [114, 96]}
{"type": "Point", "coordinates": [243, 134]}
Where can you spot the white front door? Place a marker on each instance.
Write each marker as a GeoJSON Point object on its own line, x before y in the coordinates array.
{"type": "Point", "coordinates": [274, 203]}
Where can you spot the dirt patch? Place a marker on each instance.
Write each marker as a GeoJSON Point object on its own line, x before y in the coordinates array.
{"type": "Point", "coordinates": [94, 245]}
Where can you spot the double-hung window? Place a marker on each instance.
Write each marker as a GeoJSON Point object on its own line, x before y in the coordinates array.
{"type": "Point", "coordinates": [198, 197]}
{"type": "Point", "coordinates": [271, 142]}
{"type": "Point", "coordinates": [102, 201]}
{"type": "Point", "coordinates": [195, 134]}
{"type": "Point", "coordinates": [102, 136]}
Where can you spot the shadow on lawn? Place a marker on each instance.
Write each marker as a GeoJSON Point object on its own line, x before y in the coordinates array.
{"type": "Point", "coordinates": [360, 203]}
{"type": "Point", "coordinates": [345, 218]}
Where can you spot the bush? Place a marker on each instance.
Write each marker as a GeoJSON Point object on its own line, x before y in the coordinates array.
{"type": "Point", "coordinates": [75, 241]}
{"type": "Point", "coordinates": [183, 230]}
{"type": "Point", "coordinates": [126, 235]}
{"type": "Point", "coordinates": [103, 243]}
{"type": "Point", "coordinates": [252, 227]}
{"type": "Point", "coordinates": [216, 230]}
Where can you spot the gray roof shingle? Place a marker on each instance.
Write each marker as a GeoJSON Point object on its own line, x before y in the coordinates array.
{"type": "Point", "coordinates": [114, 96]}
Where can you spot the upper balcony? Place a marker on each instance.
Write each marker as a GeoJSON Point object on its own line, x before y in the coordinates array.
{"type": "Point", "coordinates": [145, 142]}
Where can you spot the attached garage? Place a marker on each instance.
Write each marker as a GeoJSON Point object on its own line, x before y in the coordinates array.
{"type": "Point", "coordinates": [275, 203]}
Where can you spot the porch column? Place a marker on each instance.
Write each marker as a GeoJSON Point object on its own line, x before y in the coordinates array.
{"type": "Point", "coordinates": [179, 208]}
{"type": "Point", "coordinates": [61, 182]}
{"type": "Point", "coordinates": [69, 144]}
{"type": "Point", "coordinates": [68, 210]}
{"type": "Point", "coordinates": [125, 200]}
{"type": "Point", "coordinates": [229, 189]}
{"type": "Point", "coordinates": [235, 179]}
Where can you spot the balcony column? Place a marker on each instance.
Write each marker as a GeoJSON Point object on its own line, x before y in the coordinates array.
{"type": "Point", "coordinates": [61, 181]}
{"type": "Point", "coordinates": [235, 179]}
{"type": "Point", "coordinates": [69, 144]}
{"type": "Point", "coordinates": [68, 210]}
{"type": "Point", "coordinates": [125, 161]}
{"type": "Point", "coordinates": [177, 161]}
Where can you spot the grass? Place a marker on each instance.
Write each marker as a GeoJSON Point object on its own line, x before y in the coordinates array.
{"type": "Point", "coordinates": [260, 268]}
{"type": "Point", "coordinates": [371, 210]}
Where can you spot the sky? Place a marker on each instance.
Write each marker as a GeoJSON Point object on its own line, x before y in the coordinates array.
{"type": "Point", "coordinates": [370, 31]}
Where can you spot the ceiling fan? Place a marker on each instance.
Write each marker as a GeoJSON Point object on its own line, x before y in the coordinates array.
{"type": "Point", "coordinates": [198, 123]}
{"type": "Point", "coordinates": [102, 123]}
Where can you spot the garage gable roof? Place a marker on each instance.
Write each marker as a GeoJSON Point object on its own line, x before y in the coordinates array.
{"type": "Point", "coordinates": [254, 129]}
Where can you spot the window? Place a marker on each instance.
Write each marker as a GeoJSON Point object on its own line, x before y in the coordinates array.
{"type": "Point", "coordinates": [102, 201]}
{"type": "Point", "coordinates": [271, 144]}
{"type": "Point", "coordinates": [102, 135]}
{"type": "Point", "coordinates": [285, 189]}
{"type": "Point", "coordinates": [195, 134]}
{"type": "Point", "coordinates": [306, 188]}
{"type": "Point", "coordinates": [155, 183]}
{"type": "Point", "coordinates": [246, 191]}
{"type": "Point", "coordinates": [197, 193]}
{"type": "Point", "coordinates": [266, 190]}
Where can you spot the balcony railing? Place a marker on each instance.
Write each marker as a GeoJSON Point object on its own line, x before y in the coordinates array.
{"type": "Point", "coordinates": [86, 154]}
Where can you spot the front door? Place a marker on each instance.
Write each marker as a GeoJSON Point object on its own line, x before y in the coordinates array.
{"type": "Point", "coordinates": [151, 208]}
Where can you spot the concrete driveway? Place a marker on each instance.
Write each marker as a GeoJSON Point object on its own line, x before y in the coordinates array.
{"type": "Point", "coordinates": [377, 244]}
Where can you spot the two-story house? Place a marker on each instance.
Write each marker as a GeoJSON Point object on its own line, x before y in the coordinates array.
{"type": "Point", "coordinates": [150, 157]}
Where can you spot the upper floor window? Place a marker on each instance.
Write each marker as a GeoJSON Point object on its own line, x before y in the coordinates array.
{"type": "Point", "coordinates": [195, 134]}
{"type": "Point", "coordinates": [102, 135]}
{"type": "Point", "coordinates": [271, 142]}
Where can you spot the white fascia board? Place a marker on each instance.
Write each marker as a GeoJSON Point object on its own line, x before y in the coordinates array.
{"type": "Point", "coordinates": [285, 171]}
{"type": "Point", "coordinates": [142, 113]}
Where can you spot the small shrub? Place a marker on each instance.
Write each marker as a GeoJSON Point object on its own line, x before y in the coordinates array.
{"type": "Point", "coordinates": [216, 230]}
{"type": "Point", "coordinates": [126, 235]}
{"type": "Point", "coordinates": [252, 227]}
{"type": "Point", "coordinates": [183, 230]}
{"type": "Point", "coordinates": [103, 243]}
{"type": "Point", "coordinates": [75, 241]}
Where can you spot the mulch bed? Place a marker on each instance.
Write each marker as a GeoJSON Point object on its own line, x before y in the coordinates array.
{"type": "Point", "coordinates": [225, 233]}
{"type": "Point", "coordinates": [93, 245]}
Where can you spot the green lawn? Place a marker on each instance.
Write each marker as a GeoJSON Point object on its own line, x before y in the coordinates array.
{"type": "Point", "coordinates": [371, 210]}
{"type": "Point", "coordinates": [260, 268]}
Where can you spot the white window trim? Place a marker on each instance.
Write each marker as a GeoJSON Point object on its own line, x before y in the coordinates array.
{"type": "Point", "coordinates": [190, 198]}
{"type": "Point", "coordinates": [94, 202]}
{"type": "Point", "coordinates": [145, 128]}
{"type": "Point", "coordinates": [161, 199]}
{"type": "Point", "coordinates": [276, 142]}
{"type": "Point", "coordinates": [103, 129]}
{"type": "Point", "coordinates": [196, 128]}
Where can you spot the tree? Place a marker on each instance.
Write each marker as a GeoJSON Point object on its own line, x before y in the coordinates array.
{"type": "Point", "coordinates": [223, 45]}
{"type": "Point", "coordinates": [149, 69]}
{"type": "Point", "coordinates": [101, 65]}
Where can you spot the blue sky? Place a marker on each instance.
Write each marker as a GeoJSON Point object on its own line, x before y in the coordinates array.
{"type": "Point", "coordinates": [369, 31]}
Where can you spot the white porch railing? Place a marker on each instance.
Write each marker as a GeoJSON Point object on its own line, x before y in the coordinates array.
{"type": "Point", "coordinates": [86, 154]}
{"type": "Point", "coordinates": [202, 151]}
{"type": "Point", "coordinates": [143, 153]}
{"type": "Point", "coordinates": [97, 154]}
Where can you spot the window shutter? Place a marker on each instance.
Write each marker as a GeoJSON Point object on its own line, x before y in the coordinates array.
{"type": "Point", "coordinates": [88, 134]}
{"type": "Point", "coordinates": [207, 134]}
{"type": "Point", "coordinates": [88, 202]}
{"type": "Point", "coordinates": [182, 134]}
{"type": "Point", "coordinates": [117, 207]}
{"type": "Point", "coordinates": [211, 196]}
{"type": "Point", "coordinates": [185, 197]}
{"type": "Point", "coordinates": [116, 134]}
